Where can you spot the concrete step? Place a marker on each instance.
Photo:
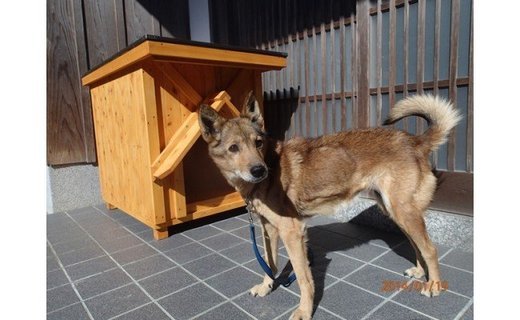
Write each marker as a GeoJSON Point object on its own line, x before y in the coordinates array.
{"type": "Point", "coordinates": [449, 229]}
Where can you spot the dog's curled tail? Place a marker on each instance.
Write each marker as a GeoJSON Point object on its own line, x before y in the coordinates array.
{"type": "Point", "coordinates": [438, 112]}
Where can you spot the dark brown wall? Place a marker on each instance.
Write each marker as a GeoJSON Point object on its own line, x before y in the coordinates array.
{"type": "Point", "coordinates": [80, 35]}
{"type": "Point", "coordinates": [69, 122]}
{"type": "Point", "coordinates": [251, 23]}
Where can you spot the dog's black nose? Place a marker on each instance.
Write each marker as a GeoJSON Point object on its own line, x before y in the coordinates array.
{"type": "Point", "coordinates": [258, 171]}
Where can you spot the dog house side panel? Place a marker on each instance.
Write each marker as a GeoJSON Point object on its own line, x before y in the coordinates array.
{"type": "Point", "coordinates": [122, 124]}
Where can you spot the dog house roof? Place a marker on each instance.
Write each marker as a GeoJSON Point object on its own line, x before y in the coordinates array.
{"type": "Point", "coordinates": [185, 51]}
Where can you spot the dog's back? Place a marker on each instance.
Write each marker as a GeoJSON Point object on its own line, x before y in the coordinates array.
{"type": "Point", "coordinates": [323, 172]}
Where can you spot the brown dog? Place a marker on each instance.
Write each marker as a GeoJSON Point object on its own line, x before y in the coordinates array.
{"type": "Point", "coordinates": [285, 182]}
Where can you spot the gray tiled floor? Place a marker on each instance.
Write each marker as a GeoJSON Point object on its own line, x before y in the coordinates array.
{"type": "Point", "coordinates": [106, 265]}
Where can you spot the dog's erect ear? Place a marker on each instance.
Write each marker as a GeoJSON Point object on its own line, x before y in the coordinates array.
{"type": "Point", "coordinates": [251, 109]}
{"type": "Point", "coordinates": [210, 123]}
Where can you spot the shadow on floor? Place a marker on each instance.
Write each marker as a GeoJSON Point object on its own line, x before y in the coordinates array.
{"type": "Point", "coordinates": [345, 236]}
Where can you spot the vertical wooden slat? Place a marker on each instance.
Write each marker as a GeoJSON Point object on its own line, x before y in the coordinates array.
{"type": "Point", "coordinates": [323, 78]}
{"type": "Point", "coordinates": [301, 82]}
{"type": "Point", "coordinates": [140, 20]}
{"type": "Point", "coordinates": [173, 17]}
{"type": "Point", "coordinates": [279, 73]}
{"type": "Point", "coordinates": [267, 108]}
{"type": "Point", "coordinates": [379, 68]}
{"type": "Point", "coordinates": [454, 40]}
{"type": "Point", "coordinates": [437, 46]}
{"type": "Point", "coordinates": [406, 35]}
{"type": "Point", "coordinates": [421, 29]}
{"type": "Point", "coordinates": [469, 128]}
{"type": "Point", "coordinates": [307, 81]}
{"type": "Point", "coordinates": [281, 19]}
{"type": "Point", "coordinates": [353, 64]}
{"type": "Point", "coordinates": [251, 22]}
{"type": "Point", "coordinates": [272, 74]}
{"type": "Point", "coordinates": [253, 14]}
{"type": "Point", "coordinates": [261, 12]}
{"type": "Point", "coordinates": [153, 147]}
{"type": "Point", "coordinates": [279, 114]}
{"type": "Point", "coordinates": [287, 70]}
{"type": "Point", "coordinates": [363, 60]}
{"type": "Point", "coordinates": [274, 114]}
{"type": "Point", "coordinates": [273, 23]}
{"type": "Point", "coordinates": [264, 75]}
{"type": "Point", "coordinates": [257, 78]}
{"type": "Point", "coordinates": [333, 72]}
{"type": "Point", "coordinates": [268, 18]}
{"type": "Point", "coordinates": [292, 60]}
{"type": "Point", "coordinates": [392, 56]}
{"type": "Point", "coordinates": [290, 70]}
{"type": "Point", "coordinates": [101, 16]}
{"type": "Point", "coordinates": [282, 74]}
{"type": "Point", "coordinates": [294, 103]}
{"type": "Point", "coordinates": [343, 71]}
{"type": "Point", "coordinates": [315, 76]}
{"type": "Point", "coordinates": [219, 22]}
{"type": "Point", "coordinates": [282, 112]}
{"type": "Point", "coordinates": [436, 63]}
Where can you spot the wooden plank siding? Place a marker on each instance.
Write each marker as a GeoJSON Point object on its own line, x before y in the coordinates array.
{"type": "Point", "coordinates": [69, 121]}
{"type": "Point", "coordinates": [82, 34]}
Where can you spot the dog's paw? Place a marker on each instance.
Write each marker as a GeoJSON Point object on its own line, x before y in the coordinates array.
{"type": "Point", "coordinates": [261, 290]}
{"type": "Point", "coordinates": [431, 289]}
{"type": "Point", "coordinates": [299, 314]}
{"type": "Point", "coordinates": [414, 272]}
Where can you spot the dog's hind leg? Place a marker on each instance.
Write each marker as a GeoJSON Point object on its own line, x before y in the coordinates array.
{"type": "Point", "coordinates": [411, 221]}
{"type": "Point", "coordinates": [292, 233]}
{"type": "Point", "coordinates": [417, 271]}
{"type": "Point", "coordinates": [270, 237]}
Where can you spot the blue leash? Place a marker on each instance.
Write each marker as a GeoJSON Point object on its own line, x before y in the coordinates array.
{"type": "Point", "coordinates": [262, 262]}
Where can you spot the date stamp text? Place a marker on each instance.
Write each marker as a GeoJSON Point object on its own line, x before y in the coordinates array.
{"type": "Point", "coordinates": [395, 285]}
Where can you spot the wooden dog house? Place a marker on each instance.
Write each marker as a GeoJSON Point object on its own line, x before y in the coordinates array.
{"type": "Point", "coordinates": [153, 164]}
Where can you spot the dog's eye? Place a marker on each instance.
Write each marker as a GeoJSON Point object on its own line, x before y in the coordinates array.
{"type": "Point", "coordinates": [233, 148]}
{"type": "Point", "coordinates": [259, 143]}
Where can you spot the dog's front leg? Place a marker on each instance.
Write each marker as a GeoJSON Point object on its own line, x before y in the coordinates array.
{"type": "Point", "coordinates": [270, 236]}
{"type": "Point", "coordinates": [293, 237]}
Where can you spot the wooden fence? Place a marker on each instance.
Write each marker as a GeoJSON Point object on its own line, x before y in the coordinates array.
{"type": "Point", "coordinates": [80, 35]}
{"type": "Point", "coordinates": [349, 72]}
